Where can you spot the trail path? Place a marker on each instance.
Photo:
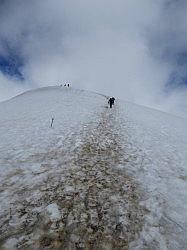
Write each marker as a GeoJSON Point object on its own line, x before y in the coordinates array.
{"type": "Point", "coordinates": [82, 202]}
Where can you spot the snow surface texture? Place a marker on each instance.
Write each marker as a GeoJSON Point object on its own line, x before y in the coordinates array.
{"type": "Point", "coordinates": [99, 178]}
{"type": "Point", "coordinates": [159, 143]}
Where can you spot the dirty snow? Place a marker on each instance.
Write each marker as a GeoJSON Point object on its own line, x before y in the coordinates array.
{"type": "Point", "coordinates": [98, 179]}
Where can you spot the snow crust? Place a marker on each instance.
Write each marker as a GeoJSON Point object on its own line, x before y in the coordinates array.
{"type": "Point", "coordinates": [53, 211]}
{"type": "Point", "coordinates": [26, 119]}
{"type": "Point", "coordinates": [26, 134]}
{"type": "Point", "coordinates": [154, 146]}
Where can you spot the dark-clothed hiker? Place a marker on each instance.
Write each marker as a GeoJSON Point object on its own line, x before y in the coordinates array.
{"type": "Point", "coordinates": [111, 101]}
{"type": "Point", "coordinates": [68, 85]}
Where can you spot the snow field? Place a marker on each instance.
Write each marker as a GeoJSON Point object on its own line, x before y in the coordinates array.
{"type": "Point", "coordinates": [121, 172]}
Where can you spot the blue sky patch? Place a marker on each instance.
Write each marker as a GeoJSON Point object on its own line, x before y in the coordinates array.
{"type": "Point", "coordinates": [11, 62]}
{"type": "Point", "coordinates": [11, 66]}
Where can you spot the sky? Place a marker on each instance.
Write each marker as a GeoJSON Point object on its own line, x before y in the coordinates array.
{"type": "Point", "coordinates": [131, 49]}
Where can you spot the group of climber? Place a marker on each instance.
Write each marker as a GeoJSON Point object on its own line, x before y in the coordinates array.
{"type": "Point", "coordinates": [66, 85]}
{"type": "Point", "coordinates": [111, 101]}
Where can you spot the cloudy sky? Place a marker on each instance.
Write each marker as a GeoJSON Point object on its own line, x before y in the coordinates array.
{"type": "Point", "coordinates": [132, 49]}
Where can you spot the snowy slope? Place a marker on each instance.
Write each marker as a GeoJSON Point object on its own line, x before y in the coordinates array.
{"type": "Point", "coordinates": [158, 142]}
{"type": "Point", "coordinates": [26, 119]}
{"type": "Point", "coordinates": [147, 147]}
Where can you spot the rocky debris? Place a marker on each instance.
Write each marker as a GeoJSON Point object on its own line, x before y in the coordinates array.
{"type": "Point", "coordinates": [87, 204]}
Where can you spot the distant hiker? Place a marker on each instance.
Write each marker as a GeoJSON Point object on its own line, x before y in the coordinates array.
{"type": "Point", "coordinates": [64, 85]}
{"type": "Point", "coordinates": [111, 101]}
{"type": "Point", "coordinates": [68, 85]}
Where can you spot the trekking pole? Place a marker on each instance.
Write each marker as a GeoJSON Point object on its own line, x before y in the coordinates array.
{"type": "Point", "coordinates": [52, 121]}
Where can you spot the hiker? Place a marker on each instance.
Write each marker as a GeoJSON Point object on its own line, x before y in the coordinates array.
{"type": "Point", "coordinates": [64, 85]}
{"type": "Point", "coordinates": [111, 101]}
{"type": "Point", "coordinates": [68, 85]}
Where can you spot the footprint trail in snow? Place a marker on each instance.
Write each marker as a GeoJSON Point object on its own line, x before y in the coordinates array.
{"type": "Point", "coordinates": [86, 204]}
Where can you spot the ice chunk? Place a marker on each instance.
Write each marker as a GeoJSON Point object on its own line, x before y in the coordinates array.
{"type": "Point", "coordinates": [53, 211]}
